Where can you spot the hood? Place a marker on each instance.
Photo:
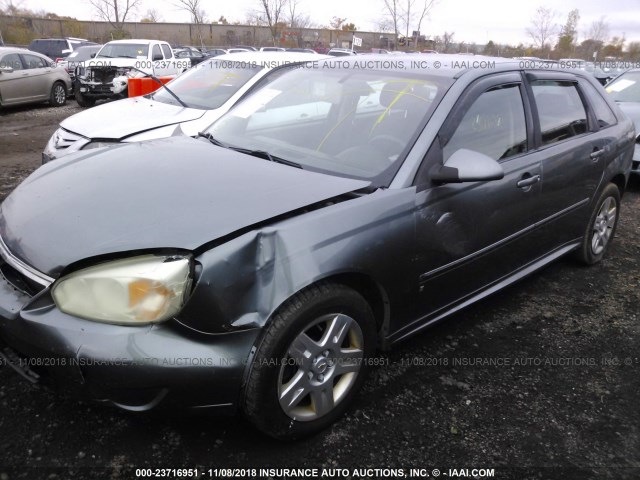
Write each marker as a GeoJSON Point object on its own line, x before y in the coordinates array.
{"type": "Point", "coordinates": [632, 110]}
{"type": "Point", "coordinates": [176, 192]}
{"type": "Point", "coordinates": [126, 117]}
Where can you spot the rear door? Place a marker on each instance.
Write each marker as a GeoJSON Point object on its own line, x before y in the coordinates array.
{"type": "Point", "coordinates": [13, 86]}
{"type": "Point", "coordinates": [572, 156]}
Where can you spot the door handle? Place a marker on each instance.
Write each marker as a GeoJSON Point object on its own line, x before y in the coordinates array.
{"type": "Point", "coordinates": [596, 153]}
{"type": "Point", "coordinates": [528, 181]}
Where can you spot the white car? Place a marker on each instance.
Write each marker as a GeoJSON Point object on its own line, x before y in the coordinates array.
{"type": "Point", "coordinates": [108, 73]}
{"type": "Point", "coordinates": [238, 50]}
{"type": "Point", "coordinates": [341, 52]}
{"type": "Point", "coordinates": [206, 91]}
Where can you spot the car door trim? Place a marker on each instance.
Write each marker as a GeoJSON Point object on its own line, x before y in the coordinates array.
{"type": "Point", "coordinates": [424, 321]}
{"type": "Point", "coordinates": [472, 256]}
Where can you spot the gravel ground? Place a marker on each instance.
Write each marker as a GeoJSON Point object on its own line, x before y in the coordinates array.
{"type": "Point", "coordinates": [557, 399]}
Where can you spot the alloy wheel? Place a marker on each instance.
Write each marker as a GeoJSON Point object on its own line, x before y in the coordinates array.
{"type": "Point", "coordinates": [603, 225]}
{"type": "Point", "coordinates": [320, 367]}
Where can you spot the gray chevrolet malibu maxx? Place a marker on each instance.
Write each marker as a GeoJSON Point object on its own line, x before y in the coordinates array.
{"type": "Point", "coordinates": [342, 208]}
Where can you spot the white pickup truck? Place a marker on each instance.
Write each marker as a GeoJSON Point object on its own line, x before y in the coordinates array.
{"type": "Point", "coordinates": [107, 74]}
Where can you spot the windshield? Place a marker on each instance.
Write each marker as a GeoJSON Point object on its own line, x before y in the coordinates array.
{"type": "Point", "coordinates": [354, 123]}
{"type": "Point", "coordinates": [625, 88]}
{"type": "Point", "coordinates": [124, 50]}
{"type": "Point", "coordinates": [209, 85]}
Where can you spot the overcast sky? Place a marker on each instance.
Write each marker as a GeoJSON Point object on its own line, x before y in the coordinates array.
{"type": "Point", "coordinates": [503, 21]}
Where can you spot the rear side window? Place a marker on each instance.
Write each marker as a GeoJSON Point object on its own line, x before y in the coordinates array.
{"type": "Point", "coordinates": [166, 50]}
{"type": "Point", "coordinates": [603, 112]}
{"type": "Point", "coordinates": [493, 125]}
{"type": "Point", "coordinates": [561, 111]}
{"type": "Point", "coordinates": [12, 60]}
{"type": "Point", "coordinates": [34, 62]}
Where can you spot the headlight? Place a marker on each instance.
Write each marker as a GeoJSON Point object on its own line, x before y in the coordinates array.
{"type": "Point", "coordinates": [91, 145]}
{"type": "Point", "coordinates": [138, 290]}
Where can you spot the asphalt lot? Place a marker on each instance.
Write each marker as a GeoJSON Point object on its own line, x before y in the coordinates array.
{"type": "Point", "coordinates": [539, 381]}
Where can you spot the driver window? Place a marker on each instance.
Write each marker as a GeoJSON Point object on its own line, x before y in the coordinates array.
{"type": "Point", "coordinates": [157, 54]}
{"type": "Point", "coordinates": [494, 125]}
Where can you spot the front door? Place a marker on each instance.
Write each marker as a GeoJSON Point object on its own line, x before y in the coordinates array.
{"type": "Point", "coordinates": [471, 235]}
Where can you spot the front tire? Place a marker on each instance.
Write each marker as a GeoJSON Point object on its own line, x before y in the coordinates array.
{"type": "Point", "coordinates": [58, 95]}
{"type": "Point", "coordinates": [601, 227]}
{"type": "Point", "coordinates": [311, 362]}
{"type": "Point", "coordinates": [84, 101]}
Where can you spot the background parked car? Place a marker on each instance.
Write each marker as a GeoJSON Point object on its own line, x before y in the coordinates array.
{"type": "Point", "coordinates": [305, 50]}
{"type": "Point", "coordinates": [107, 74]}
{"type": "Point", "coordinates": [214, 52]}
{"type": "Point", "coordinates": [341, 52]}
{"type": "Point", "coordinates": [625, 91]}
{"type": "Point", "coordinates": [272, 49]}
{"type": "Point", "coordinates": [195, 57]}
{"type": "Point", "coordinates": [29, 77]}
{"type": "Point", "coordinates": [58, 48]}
{"type": "Point", "coordinates": [207, 93]}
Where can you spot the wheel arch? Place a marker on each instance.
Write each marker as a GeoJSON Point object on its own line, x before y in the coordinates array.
{"type": "Point", "coordinates": [374, 294]}
{"type": "Point", "coordinates": [371, 290]}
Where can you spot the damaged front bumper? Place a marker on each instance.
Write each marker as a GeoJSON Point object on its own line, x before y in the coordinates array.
{"type": "Point", "coordinates": [104, 82]}
{"type": "Point", "coordinates": [135, 368]}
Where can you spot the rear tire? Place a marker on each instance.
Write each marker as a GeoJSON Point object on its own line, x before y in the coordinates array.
{"type": "Point", "coordinates": [601, 227]}
{"type": "Point", "coordinates": [311, 362]}
{"type": "Point", "coordinates": [58, 95]}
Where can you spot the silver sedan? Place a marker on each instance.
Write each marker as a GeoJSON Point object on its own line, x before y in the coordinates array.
{"type": "Point", "coordinates": [29, 77]}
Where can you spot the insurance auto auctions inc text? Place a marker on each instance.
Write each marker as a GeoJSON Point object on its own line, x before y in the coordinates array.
{"type": "Point", "coordinates": [375, 473]}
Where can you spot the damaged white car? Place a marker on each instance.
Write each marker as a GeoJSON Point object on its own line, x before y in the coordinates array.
{"type": "Point", "coordinates": [107, 74]}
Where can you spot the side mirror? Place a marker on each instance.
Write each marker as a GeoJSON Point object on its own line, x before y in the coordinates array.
{"type": "Point", "coordinates": [467, 166]}
{"type": "Point", "coordinates": [157, 57]}
{"type": "Point", "coordinates": [4, 69]}
{"type": "Point", "coordinates": [93, 55]}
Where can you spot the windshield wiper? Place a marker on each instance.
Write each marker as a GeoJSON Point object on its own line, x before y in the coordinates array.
{"type": "Point", "coordinates": [157, 80]}
{"type": "Point", "coordinates": [248, 151]}
{"type": "Point", "coordinates": [266, 156]}
{"type": "Point", "coordinates": [212, 139]}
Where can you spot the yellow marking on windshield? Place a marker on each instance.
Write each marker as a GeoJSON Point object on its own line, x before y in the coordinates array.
{"type": "Point", "coordinates": [400, 94]}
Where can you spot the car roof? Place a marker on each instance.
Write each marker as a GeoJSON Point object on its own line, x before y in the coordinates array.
{"type": "Point", "coordinates": [136, 40]}
{"type": "Point", "coordinates": [448, 66]}
{"type": "Point", "coordinates": [4, 50]}
{"type": "Point", "coordinates": [15, 50]}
